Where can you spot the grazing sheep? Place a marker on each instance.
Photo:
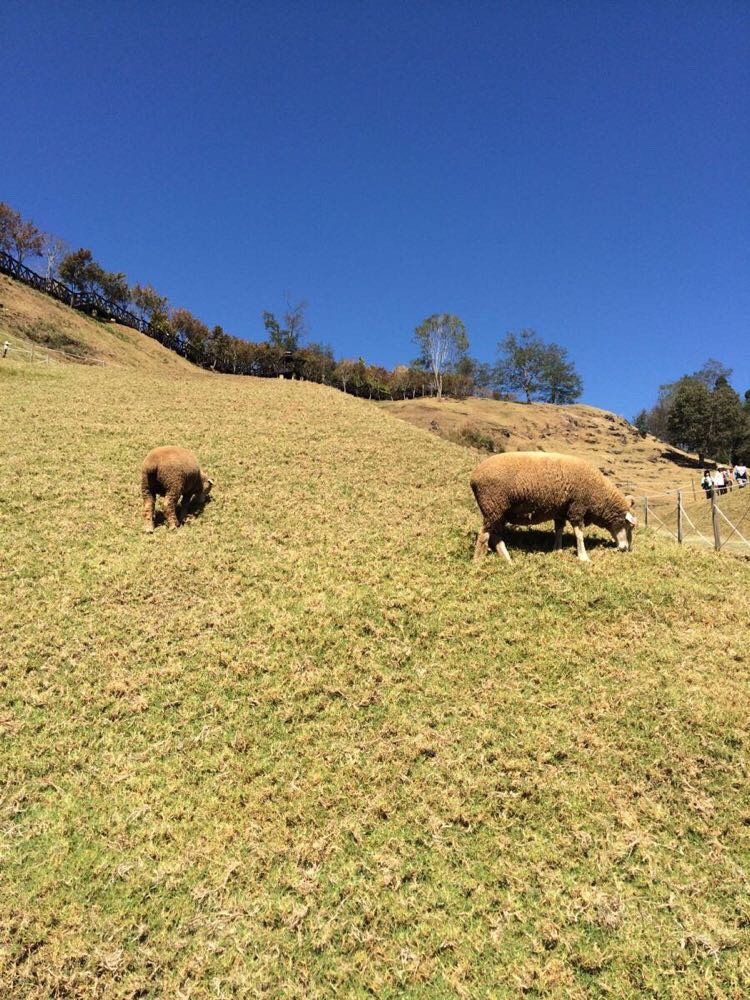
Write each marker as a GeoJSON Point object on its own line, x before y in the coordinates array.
{"type": "Point", "coordinates": [172, 473]}
{"type": "Point", "coordinates": [532, 487]}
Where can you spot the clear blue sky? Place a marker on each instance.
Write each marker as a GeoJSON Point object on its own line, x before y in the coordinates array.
{"type": "Point", "coordinates": [581, 168]}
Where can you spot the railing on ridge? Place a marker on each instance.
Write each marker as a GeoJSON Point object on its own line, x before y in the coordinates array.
{"type": "Point", "coordinates": [89, 302]}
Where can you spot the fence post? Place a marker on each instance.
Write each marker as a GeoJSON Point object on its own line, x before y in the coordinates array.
{"type": "Point", "coordinates": [645, 511]}
{"type": "Point", "coordinates": [715, 519]}
{"type": "Point", "coordinates": [679, 516]}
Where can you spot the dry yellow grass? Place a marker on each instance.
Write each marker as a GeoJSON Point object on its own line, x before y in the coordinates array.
{"type": "Point", "coordinates": [28, 317]}
{"type": "Point", "coordinates": [609, 442]}
{"type": "Point", "coordinates": [303, 747]}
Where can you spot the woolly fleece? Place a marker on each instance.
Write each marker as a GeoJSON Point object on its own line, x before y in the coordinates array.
{"type": "Point", "coordinates": [171, 472]}
{"type": "Point", "coordinates": [532, 487]}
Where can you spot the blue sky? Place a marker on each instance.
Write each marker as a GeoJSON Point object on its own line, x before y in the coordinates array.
{"type": "Point", "coordinates": [578, 168]}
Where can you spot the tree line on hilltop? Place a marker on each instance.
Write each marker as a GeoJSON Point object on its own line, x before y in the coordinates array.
{"type": "Point", "coordinates": [701, 413]}
{"type": "Point", "coordinates": [526, 367]}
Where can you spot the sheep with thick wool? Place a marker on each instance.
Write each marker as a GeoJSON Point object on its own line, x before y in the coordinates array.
{"type": "Point", "coordinates": [531, 487]}
{"type": "Point", "coordinates": [171, 472]}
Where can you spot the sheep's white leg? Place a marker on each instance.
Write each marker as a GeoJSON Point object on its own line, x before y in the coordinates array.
{"type": "Point", "coordinates": [498, 544]}
{"type": "Point", "coordinates": [481, 548]}
{"type": "Point", "coordinates": [581, 548]}
{"type": "Point", "coordinates": [502, 550]}
{"type": "Point", "coordinates": [559, 527]}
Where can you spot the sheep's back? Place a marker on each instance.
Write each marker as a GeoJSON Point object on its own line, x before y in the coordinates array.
{"type": "Point", "coordinates": [532, 484]}
{"type": "Point", "coordinates": [170, 466]}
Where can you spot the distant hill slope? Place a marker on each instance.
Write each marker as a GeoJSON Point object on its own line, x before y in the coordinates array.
{"type": "Point", "coordinates": [29, 317]}
{"type": "Point", "coordinates": [644, 465]}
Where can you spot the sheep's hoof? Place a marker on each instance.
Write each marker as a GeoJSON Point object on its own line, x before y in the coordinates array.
{"type": "Point", "coordinates": [148, 529]}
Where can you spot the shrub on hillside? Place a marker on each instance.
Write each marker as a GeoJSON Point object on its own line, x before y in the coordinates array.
{"type": "Point", "coordinates": [48, 335]}
{"type": "Point", "coordinates": [476, 437]}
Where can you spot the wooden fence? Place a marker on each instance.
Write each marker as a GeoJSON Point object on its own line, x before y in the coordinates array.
{"type": "Point", "coordinates": [89, 302]}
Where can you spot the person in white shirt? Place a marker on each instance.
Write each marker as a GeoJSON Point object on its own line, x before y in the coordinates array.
{"type": "Point", "coordinates": [740, 475]}
{"type": "Point", "coordinates": [718, 478]}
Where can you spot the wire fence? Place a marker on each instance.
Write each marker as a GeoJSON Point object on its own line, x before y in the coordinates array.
{"type": "Point", "coordinates": [719, 517]}
{"type": "Point", "coordinates": [46, 355]}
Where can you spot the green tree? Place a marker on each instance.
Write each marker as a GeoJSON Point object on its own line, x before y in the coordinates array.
{"type": "Point", "coordinates": [700, 412]}
{"type": "Point", "coordinates": [527, 364]}
{"type": "Point", "coordinates": [689, 416]}
{"type": "Point", "coordinates": [287, 337]}
{"type": "Point", "coordinates": [191, 336]}
{"type": "Point", "coordinates": [220, 350]}
{"type": "Point", "coordinates": [478, 375]}
{"type": "Point", "coordinates": [640, 422]}
{"type": "Point", "coordinates": [562, 384]}
{"type": "Point", "coordinates": [113, 286]}
{"type": "Point", "coordinates": [443, 342]}
{"type": "Point", "coordinates": [149, 304]}
{"type": "Point", "coordinates": [726, 423]}
{"type": "Point", "coordinates": [317, 362]}
{"type": "Point", "coordinates": [359, 376]}
{"type": "Point", "coordinates": [80, 270]}
{"type": "Point", "coordinates": [743, 448]}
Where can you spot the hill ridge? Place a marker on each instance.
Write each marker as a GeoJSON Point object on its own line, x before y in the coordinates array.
{"type": "Point", "coordinates": [610, 442]}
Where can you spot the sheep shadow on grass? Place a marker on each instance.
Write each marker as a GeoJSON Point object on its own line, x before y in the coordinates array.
{"type": "Point", "coordinates": [520, 539]}
{"type": "Point", "coordinates": [195, 509]}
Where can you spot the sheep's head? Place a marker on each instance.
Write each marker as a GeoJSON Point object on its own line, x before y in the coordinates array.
{"type": "Point", "coordinates": [206, 484]}
{"type": "Point", "coordinates": [622, 530]}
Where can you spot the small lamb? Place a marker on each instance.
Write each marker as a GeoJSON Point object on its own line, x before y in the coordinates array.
{"type": "Point", "coordinates": [172, 473]}
{"type": "Point", "coordinates": [531, 487]}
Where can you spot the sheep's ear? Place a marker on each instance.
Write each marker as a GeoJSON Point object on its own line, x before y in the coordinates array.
{"type": "Point", "coordinates": [630, 519]}
{"type": "Point", "coordinates": [210, 482]}
{"type": "Point", "coordinates": [630, 499]}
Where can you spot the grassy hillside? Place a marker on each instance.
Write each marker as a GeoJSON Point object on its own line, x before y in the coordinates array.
{"type": "Point", "coordinates": [643, 465]}
{"type": "Point", "coordinates": [304, 747]}
{"type": "Point", "coordinates": [31, 318]}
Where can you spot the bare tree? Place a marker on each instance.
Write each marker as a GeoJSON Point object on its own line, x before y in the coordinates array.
{"type": "Point", "coordinates": [294, 318]}
{"type": "Point", "coordinates": [443, 341]}
{"type": "Point", "coordinates": [53, 251]}
{"type": "Point", "coordinates": [288, 337]}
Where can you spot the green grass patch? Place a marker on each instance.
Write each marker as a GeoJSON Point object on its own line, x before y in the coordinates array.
{"type": "Point", "coordinates": [49, 334]}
